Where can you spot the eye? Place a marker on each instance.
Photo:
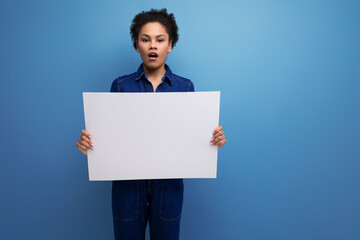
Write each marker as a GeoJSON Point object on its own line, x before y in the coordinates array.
{"type": "Point", "coordinates": [160, 40]}
{"type": "Point", "coordinates": [144, 40]}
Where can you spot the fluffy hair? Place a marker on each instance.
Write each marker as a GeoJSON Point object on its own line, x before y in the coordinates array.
{"type": "Point", "coordinates": [161, 16]}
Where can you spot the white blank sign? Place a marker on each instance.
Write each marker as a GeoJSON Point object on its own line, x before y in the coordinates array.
{"type": "Point", "coordinates": [151, 135]}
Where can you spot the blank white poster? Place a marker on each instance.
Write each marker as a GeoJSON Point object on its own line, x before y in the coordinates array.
{"type": "Point", "coordinates": [151, 135]}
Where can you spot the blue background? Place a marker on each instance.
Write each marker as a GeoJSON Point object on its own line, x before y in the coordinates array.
{"type": "Point", "coordinates": [289, 76]}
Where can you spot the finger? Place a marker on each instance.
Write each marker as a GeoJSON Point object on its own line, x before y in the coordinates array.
{"type": "Point", "coordinates": [217, 129]}
{"type": "Point", "coordinates": [85, 144]}
{"type": "Point", "coordinates": [219, 133]}
{"type": "Point", "coordinates": [86, 133]}
{"type": "Point", "coordinates": [221, 143]}
{"type": "Point", "coordinates": [218, 139]}
{"type": "Point", "coordinates": [81, 147]}
{"type": "Point", "coordinates": [214, 141]}
{"type": "Point", "coordinates": [86, 139]}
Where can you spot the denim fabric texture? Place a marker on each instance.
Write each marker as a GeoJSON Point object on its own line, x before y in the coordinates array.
{"type": "Point", "coordinates": [159, 201]}
{"type": "Point", "coordinates": [138, 82]}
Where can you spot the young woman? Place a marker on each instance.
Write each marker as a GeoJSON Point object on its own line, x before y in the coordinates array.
{"type": "Point", "coordinates": [134, 202]}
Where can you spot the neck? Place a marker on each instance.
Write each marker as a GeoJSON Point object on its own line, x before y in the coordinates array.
{"type": "Point", "coordinates": [156, 73]}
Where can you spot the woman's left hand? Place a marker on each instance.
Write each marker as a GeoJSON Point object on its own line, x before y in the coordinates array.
{"type": "Point", "coordinates": [218, 137]}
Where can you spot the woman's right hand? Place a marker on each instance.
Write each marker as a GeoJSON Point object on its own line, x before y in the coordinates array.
{"type": "Point", "coordinates": [84, 142]}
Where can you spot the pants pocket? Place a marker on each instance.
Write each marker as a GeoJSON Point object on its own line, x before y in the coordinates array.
{"type": "Point", "coordinates": [171, 199]}
{"type": "Point", "coordinates": [125, 200]}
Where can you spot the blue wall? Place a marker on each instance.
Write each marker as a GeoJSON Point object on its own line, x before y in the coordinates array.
{"type": "Point", "coordinates": [289, 77]}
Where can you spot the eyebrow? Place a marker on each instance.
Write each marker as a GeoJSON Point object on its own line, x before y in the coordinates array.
{"type": "Point", "coordinates": [161, 35]}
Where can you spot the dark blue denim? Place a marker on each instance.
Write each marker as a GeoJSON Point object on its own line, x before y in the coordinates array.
{"type": "Point", "coordinates": [138, 82]}
{"type": "Point", "coordinates": [135, 202]}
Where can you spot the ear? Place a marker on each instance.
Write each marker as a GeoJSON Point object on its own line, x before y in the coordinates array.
{"type": "Point", "coordinates": [137, 47]}
{"type": "Point", "coordinates": [170, 46]}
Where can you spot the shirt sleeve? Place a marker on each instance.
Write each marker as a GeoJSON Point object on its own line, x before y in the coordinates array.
{"type": "Point", "coordinates": [114, 86]}
{"type": "Point", "coordinates": [191, 87]}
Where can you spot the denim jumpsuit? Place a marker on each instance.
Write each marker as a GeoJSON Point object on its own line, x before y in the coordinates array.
{"type": "Point", "coordinates": [160, 201]}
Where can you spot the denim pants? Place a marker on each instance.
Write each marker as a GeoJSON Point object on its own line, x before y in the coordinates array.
{"type": "Point", "coordinates": [134, 202]}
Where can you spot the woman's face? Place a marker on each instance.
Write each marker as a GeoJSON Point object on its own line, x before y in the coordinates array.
{"type": "Point", "coordinates": [153, 45]}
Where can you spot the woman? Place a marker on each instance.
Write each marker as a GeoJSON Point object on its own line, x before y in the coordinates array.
{"type": "Point", "coordinates": [134, 202]}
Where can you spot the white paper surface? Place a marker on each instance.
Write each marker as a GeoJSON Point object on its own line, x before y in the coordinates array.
{"type": "Point", "coordinates": [152, 135]}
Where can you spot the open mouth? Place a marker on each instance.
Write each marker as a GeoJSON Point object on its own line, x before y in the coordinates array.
{"type": "Point", "coordinates": [153, 56]}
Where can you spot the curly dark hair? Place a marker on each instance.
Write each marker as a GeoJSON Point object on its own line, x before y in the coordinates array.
{"type": "Point", "coordinates": [161, 16]}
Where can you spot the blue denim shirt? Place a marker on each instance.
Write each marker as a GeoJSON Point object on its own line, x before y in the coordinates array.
{"type": "Point", "coordinates": [138, 82]}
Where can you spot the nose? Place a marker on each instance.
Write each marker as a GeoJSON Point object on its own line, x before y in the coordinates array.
{"type": "Point", "coordinates": [153, 44]}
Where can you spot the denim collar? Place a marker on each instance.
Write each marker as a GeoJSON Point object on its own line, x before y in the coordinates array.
{"type": "Point", "coordinates": [168, 74]}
